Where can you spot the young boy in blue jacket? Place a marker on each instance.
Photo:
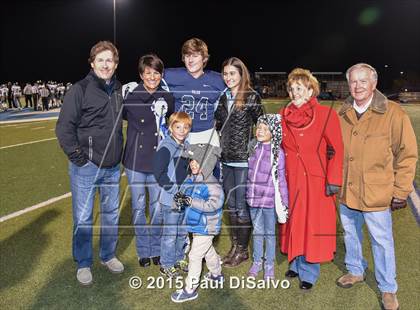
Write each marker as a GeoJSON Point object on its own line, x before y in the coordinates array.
{"type": "Point", "coordinates": [170, 171]}
{"type": "Point", "coordinates": [202, 196]}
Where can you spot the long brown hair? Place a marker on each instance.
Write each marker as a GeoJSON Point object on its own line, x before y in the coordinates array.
{"type": "Point", "coordinates": [244, 84]}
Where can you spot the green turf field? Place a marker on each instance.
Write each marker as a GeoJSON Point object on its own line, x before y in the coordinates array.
{"type": "Point", "coordinates": [37, 270]}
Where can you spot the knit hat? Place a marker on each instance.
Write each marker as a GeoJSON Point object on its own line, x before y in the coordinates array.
{"type": "Point", "coordinates": [205, 154]}
{"type": "Point", "coordinates": [273, 121]}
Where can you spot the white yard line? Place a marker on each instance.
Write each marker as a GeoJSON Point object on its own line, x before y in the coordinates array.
{"type": "Point", "coordinates": [29, 120]}
{"type": "Point", "coordinates": [14, 125]}
{"type": "Point", "coordinates": [25, 143]}
{"type": "Point", "coordinates": [35, 207]}
{"type": "Point", "coordinates": [46, 203]}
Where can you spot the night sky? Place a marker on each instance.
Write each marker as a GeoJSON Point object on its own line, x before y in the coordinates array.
{"type": "Point", "coordinates": [51, 39]}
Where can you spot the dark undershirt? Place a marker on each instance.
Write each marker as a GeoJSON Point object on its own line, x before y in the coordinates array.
{"type": "Point", "coordinates": [359, 115]}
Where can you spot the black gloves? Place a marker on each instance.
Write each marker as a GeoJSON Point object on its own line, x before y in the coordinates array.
{"type": "Point", "coordinates": [331, 189]}
{"type": "Point", "coordinates": [397, 203]}
{"type": "Point", "coordinates": [181, 201]}
{"type": "Point", "coordinates": [330, 152]}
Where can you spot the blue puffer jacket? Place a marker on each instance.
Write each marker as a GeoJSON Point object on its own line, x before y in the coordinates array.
{"type": "Point", "coordinates": [204, 216]}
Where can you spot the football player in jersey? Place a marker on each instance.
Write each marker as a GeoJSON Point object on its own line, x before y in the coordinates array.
{"type": "Point", "coordinates": [3, 97]}
{"type": "Point", "coordinates": [196, 90]}
{"type": "Point", "coordinates": [16, 93]}
{"type": "Point", "coordinates": [61, 90]}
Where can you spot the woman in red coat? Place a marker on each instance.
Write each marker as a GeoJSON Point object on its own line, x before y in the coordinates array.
{"type": "Point", "coordinates": [309, 130]}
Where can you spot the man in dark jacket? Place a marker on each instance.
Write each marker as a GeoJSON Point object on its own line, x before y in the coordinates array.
{"type": "Point", "coordinates": [89, 130]}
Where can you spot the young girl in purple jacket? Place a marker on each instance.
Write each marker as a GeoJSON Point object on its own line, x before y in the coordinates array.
{"type": "Point", "coordinates": [266, 192]}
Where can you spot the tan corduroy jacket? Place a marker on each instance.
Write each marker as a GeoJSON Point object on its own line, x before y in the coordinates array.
{"type": "Point", "coordinates": [380, 154]}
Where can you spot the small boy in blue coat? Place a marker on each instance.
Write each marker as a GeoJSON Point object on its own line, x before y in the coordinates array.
{"type": "Point", "coordinates": [203, 197]}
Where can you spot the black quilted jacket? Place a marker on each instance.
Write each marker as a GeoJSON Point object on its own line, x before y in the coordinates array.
{"type": "Point", "coordinates": [235, 127]}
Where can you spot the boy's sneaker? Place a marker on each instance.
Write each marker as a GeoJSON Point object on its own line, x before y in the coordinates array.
{"type": "Point", "coordinates": [156, 260]}
{"type": "Point", "coordinates": [170, 272]}
{"type": "Point", "coordinates": [84, 276]}
{"type": "Point", "coordinates": [144, 262]}
{"type": "Point", "coordinates": [212, 278]}
{"type": "Point", "coordinates": [182, 265]}
{"type": "Point", "coordinates": [268, 272]}
{"type": "Point", "coordinates": [114, 265]}
{"type": "Point", "coordinates": [255, 269]}
{"type": "Point", "coordinates": [182, 295]}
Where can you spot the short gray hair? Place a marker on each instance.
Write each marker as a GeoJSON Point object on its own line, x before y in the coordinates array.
{"type": "Point", "coordinates": [362, 66]}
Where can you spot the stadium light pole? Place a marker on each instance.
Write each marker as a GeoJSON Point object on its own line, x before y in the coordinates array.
{"type": "Point", "coordinates": [115, 23]}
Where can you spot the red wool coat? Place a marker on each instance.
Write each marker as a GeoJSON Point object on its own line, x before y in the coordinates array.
{"type": "Point", "coordinates": [311, 227]}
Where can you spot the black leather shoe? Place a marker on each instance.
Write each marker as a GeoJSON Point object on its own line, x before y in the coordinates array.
{"type": "Point", "coordinates": [291, 274]}
{"type": "Point", "coordinates": [156, 260]}
{"type": "Point", "coordinates": [144, 262]}
{"type": "Point", "coordinates": [305, 285]}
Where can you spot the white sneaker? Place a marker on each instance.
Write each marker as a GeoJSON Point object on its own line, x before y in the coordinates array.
{"type": "Point", "coordinates": [114, 265]}
{"type": "Point", "coordinates": [84, 276]}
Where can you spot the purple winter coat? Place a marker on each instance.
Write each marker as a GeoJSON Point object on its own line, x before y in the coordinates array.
{"type": "Point", "coordinates": [260, 186]}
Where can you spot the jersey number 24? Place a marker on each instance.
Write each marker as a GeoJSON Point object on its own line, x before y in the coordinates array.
{"type": "Point", "coordinates": [190, 106]}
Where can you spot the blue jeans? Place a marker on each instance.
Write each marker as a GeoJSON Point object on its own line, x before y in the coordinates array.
{"type": "Point", "coordinates": [379, 225]}
{"type": "Point", "coordinates": [264, 225]}
{"type": "Point", "coordinates": [84, 181]}
{"type": "Point", "coordinates": [148, 237]}
{"type": "Point", "coordinates": [173, 237]}
{"type": "Point", "coordinates": [308, 272]}
{"type": "Point", "coordinates": [234, 185]}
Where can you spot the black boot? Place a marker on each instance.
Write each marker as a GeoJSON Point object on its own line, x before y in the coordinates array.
{"type": "Point", "coordinates": [233, 239]}
{"type": "Point", "coordinates": [231, 253]}
{"type": "Point", "coordinates": [241, 255]}
{"type": "Point", "coordinates": [244, 233]}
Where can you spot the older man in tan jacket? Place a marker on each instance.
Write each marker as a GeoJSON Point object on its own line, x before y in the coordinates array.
{"type": "Point", "coordinates": [380, 155]}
